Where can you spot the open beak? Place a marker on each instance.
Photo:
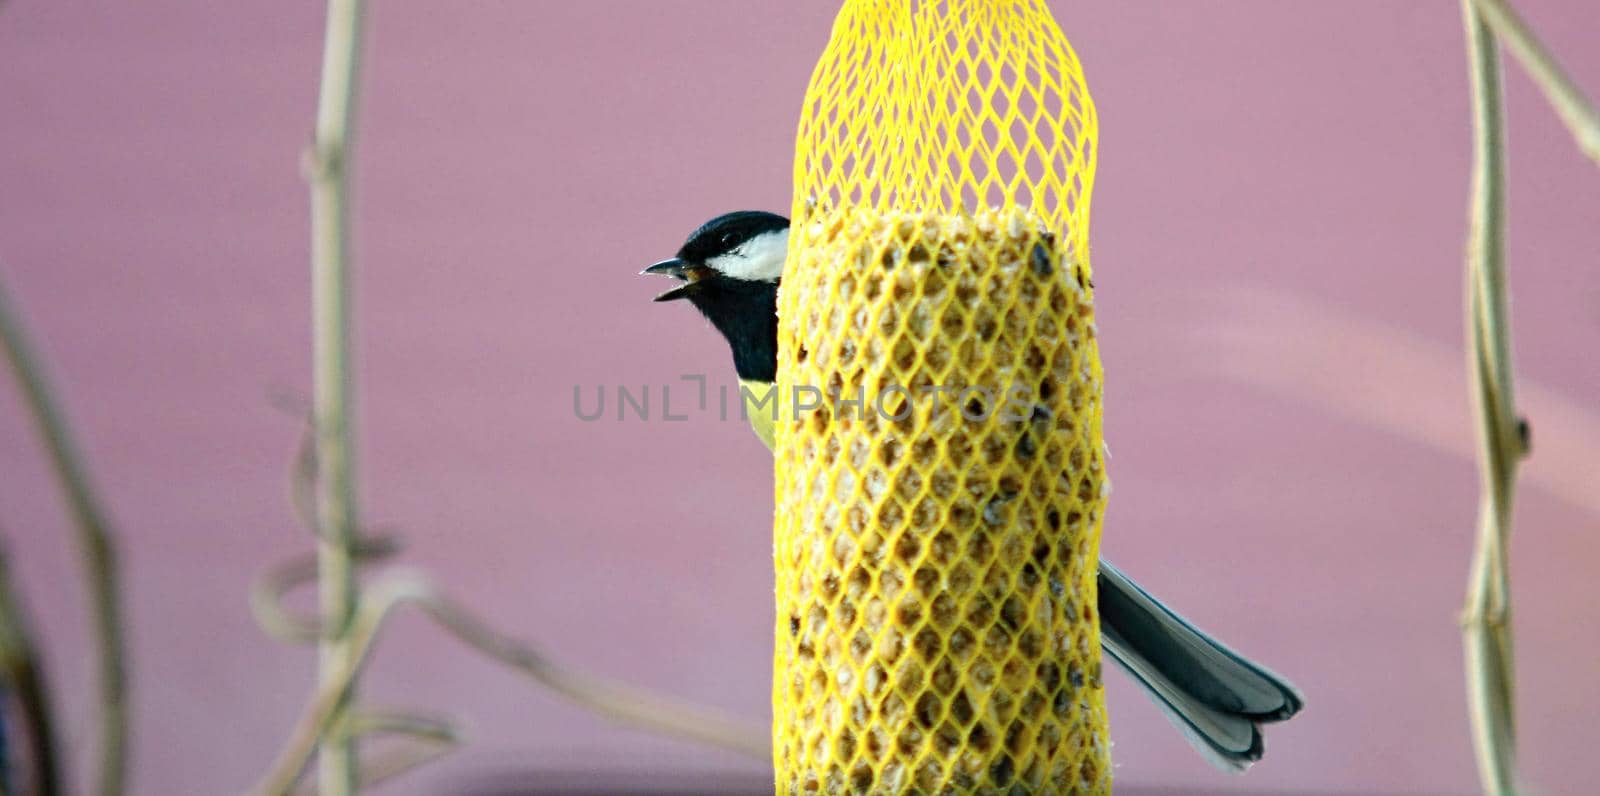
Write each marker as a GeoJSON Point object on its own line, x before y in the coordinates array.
{"type": "Point", "coordinates": [672, 267]}
{"type": "Point", "coordinates": [678, 269]}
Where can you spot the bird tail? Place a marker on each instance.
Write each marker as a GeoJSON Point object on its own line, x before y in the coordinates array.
{"type": "Point", "coordinates": [1216, 697]}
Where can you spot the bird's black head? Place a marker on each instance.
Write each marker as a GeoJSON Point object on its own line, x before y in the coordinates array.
{"type": "Point", "coordinates": [730, 269]}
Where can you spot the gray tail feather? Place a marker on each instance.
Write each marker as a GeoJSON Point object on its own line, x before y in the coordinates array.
{"type": "Point", "coordinates": [1215, 696]}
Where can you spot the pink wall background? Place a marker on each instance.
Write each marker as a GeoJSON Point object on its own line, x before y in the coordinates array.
{"type": "Point", "coordinates": [1278, 228]}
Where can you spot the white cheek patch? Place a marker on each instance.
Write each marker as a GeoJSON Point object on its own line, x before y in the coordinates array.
{"type": "Point", "coordinates": [760, 259]}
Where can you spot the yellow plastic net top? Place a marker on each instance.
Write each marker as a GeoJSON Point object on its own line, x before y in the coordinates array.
{"type": "Point", "coordinates": [940, 475]}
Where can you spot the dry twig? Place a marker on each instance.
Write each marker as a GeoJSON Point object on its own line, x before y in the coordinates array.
{"type": "Point", "coordinates": [336, 515]}
{"type": "Point", "coordinates": [95, 547]}
{"type": "Point", "coordinates": [1564, 96]}
{"type": "Point", "coordinates": [1486, 620]}
{"type": "Point", "coordinates": [422, 740]}
{"type": "Point", "coordinates": [397, 588]}
{"type": "Point", "coordinates": [22, 674]}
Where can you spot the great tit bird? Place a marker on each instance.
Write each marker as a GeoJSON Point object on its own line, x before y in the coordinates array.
{"type": "Point", "coordinates": [729, 270]}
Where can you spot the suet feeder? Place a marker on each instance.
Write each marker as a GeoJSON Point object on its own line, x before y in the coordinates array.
{"type": "Point", "coordinates": [938, 512]}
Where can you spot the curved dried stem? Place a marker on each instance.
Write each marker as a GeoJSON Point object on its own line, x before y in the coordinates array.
{"type": "Point", "coordinates": [615, 701]}
{"type": "Point", "coordinates": [422, 740]}
{"type": "Point", "coordinates": [1486, 620]}
{"type": "Point", "coordinates": [370, 721]}
{"type": "Point", "coordinates": [1569, 102]}
{"type": "Point", "coordinates": [21, 673]}
{"type": "Point", "coordinates": [268, 591]}
{"type": "Point", "coordinates": [95, 547]}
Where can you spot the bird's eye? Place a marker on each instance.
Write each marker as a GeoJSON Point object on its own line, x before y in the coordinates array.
{"type": "Point", "coordinates": [728, 239]}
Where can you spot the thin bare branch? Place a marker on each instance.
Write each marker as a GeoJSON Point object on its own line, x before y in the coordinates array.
{"type": "Point", "coordinates": [620, 703]}
{"type": "Point", "coordinates": [422, 740]}
{"type": "Point", "coordinates": [95, 547]}
{"type": "Point", "coordinates": [22, 674]}
{"type": "Point", "coordinates": [1569, 102]}
{"type": "Point", "coordinates": [1486, 620]}
{"type": "Point", "coordinates": [337, 517]}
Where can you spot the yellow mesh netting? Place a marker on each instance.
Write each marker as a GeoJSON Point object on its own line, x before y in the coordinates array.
{"type": "Point", "coordinates": [938, 517]}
